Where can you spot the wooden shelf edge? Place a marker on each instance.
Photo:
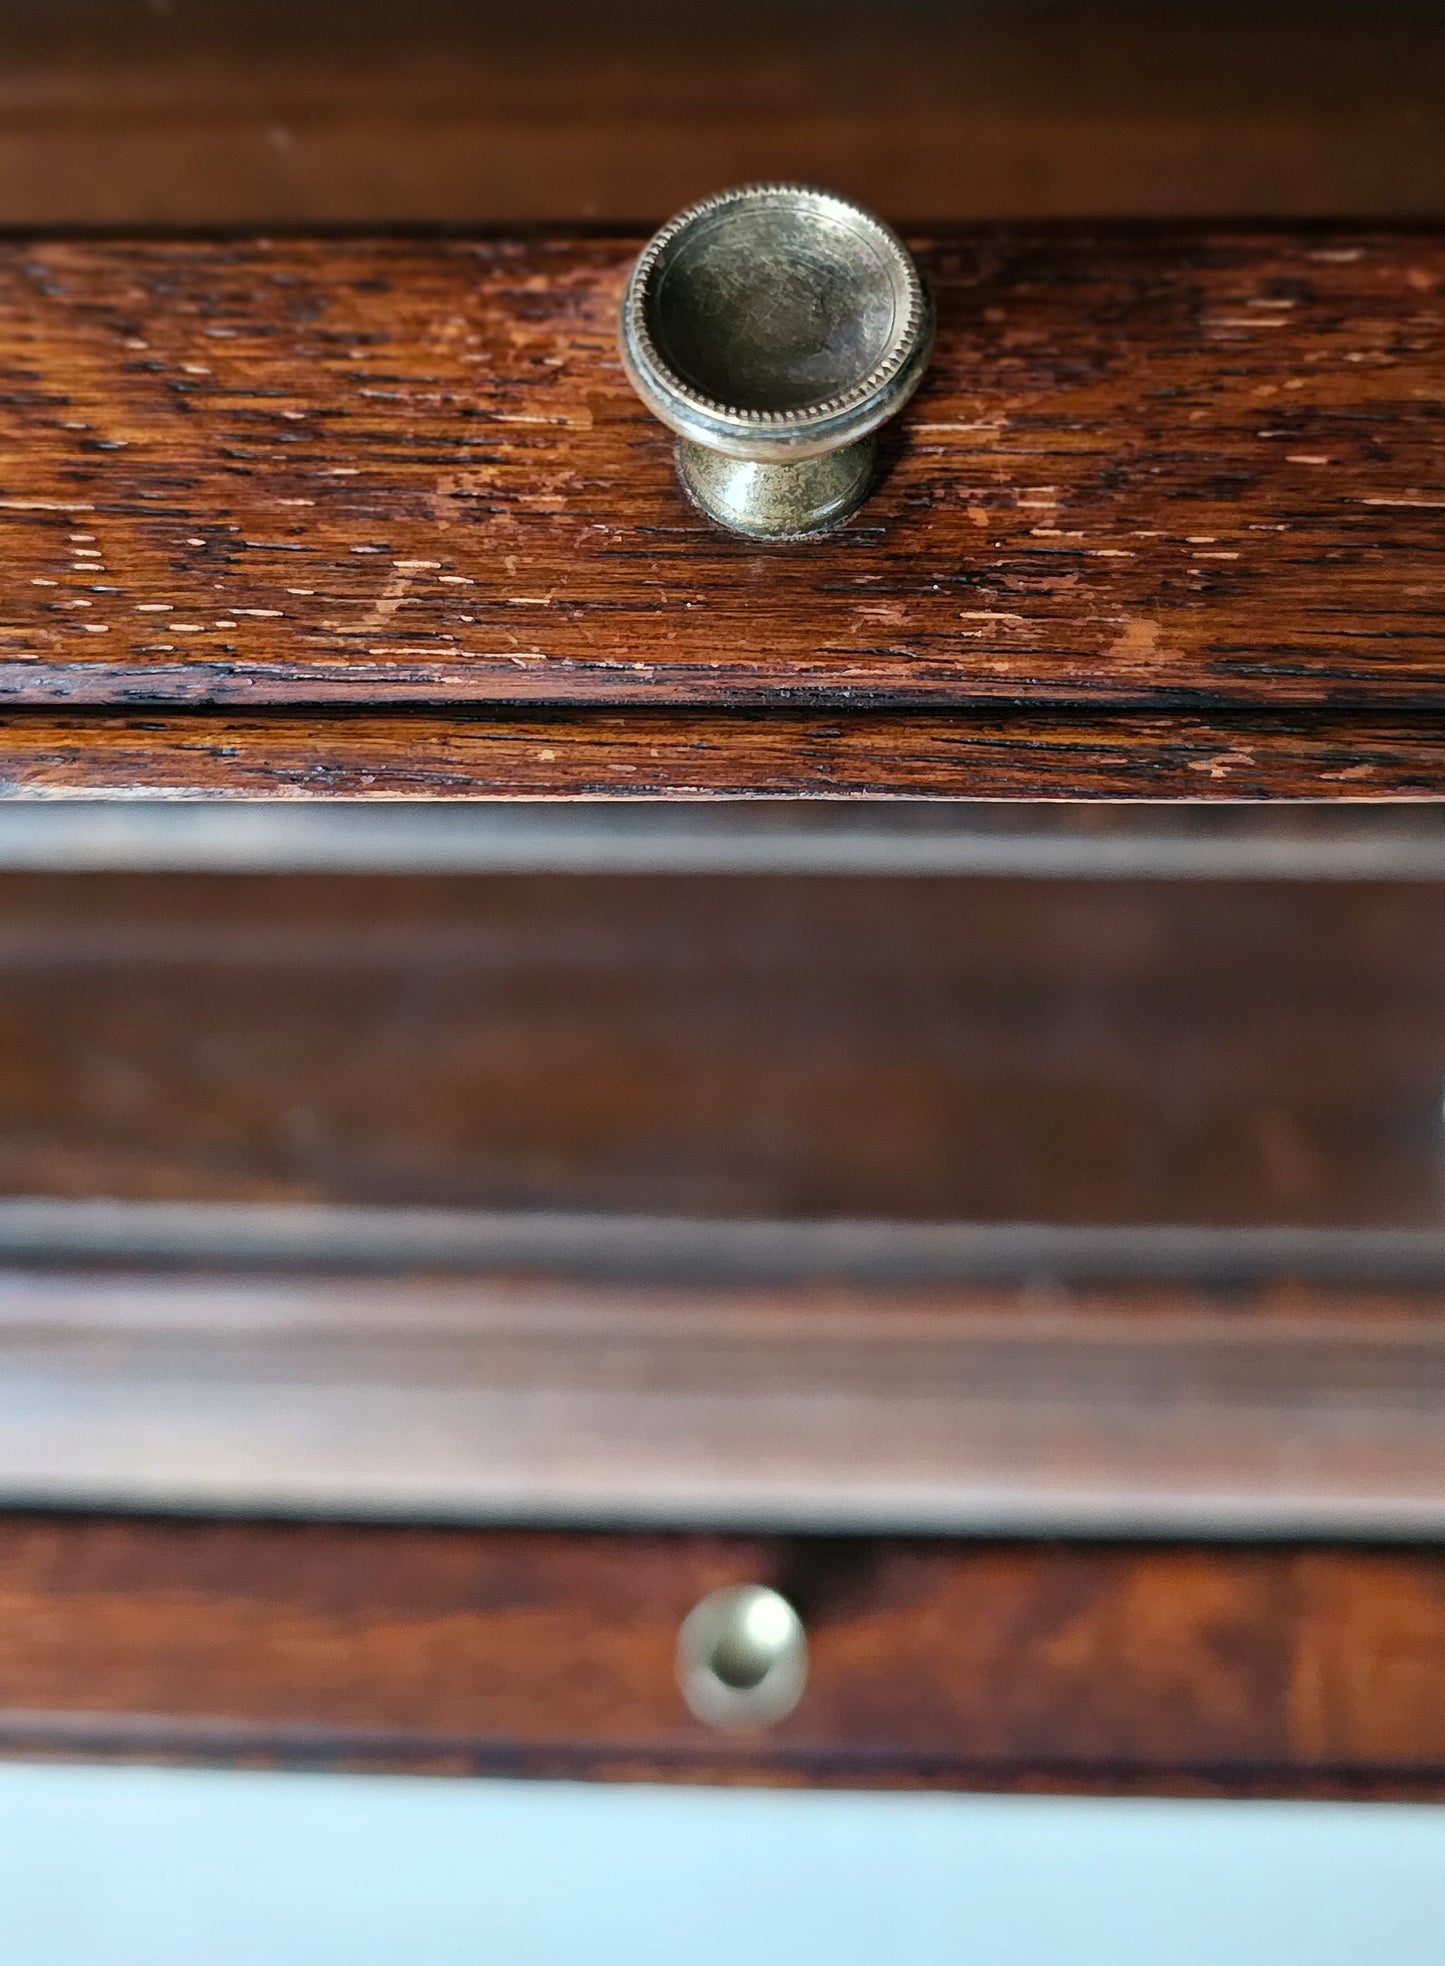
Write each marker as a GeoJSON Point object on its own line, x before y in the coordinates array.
{"type": "Point", "coordinates": [587, 754]}
{"type": "Point", "coordinates": [149, 1740]}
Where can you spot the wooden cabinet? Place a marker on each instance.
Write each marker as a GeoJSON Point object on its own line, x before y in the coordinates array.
{"type": "Point", "coordinates": [990, 1193]}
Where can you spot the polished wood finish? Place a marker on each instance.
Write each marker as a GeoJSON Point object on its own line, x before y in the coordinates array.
{"type": "Point", "coordinates": [322, 517]}
{"type": "Point", "coordinates": [256, 112]}
{"type": "Point", "coordinates": [989, 1665]}
{"type": "Point", "coordinates": [1154, 1410]}
{"type": "Point", "coordinates": [1122, 1052]}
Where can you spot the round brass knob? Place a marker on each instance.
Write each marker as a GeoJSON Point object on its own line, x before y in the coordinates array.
{"type": "Point", "coordinates": [774, 329]}
{"type": "Point", "coordinates": [742, 1657]}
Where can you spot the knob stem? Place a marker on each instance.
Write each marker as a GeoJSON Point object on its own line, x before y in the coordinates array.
{"type": "Point", "coordinates": [777, 501]}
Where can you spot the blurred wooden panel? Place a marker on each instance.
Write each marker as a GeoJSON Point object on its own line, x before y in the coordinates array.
{"type": "Point", "coordinates": [1116, 1052]}
{"type": "Point", "coordinates": [254, 112]}
{"type": "Point", "coordinates": [1143, 1410]}
{"type": "Point", "coordinates": [908, 838]}
{"type": "Point", "coordinates": [271, 1239]}
{"type": "Point", "coordinates": [992, 1665]}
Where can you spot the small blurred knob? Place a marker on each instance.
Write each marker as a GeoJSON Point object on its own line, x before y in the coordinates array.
{"type": "Point", "coordinates": [742, 1657]}
{"type": "Point", "coordinates": [774, 329]}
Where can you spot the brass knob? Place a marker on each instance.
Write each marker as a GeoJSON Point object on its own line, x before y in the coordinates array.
{"type": "Point", "coordinates": [774, 329]}
{"type": "Point", "coordinates": [742, 1657]}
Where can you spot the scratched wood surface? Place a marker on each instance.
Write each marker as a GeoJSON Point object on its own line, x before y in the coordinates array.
{"type": "Point", "coordinates": [1240, 1671]}
{"type": "Point", "coordinates": [643, 752]}
{"type": "Point", "coordinates": [1174, 469]}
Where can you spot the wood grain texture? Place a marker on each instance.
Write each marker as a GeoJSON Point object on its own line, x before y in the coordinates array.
{"type": "Point", "coordinates": [651, 754]}
{"type": "Point", "coordinates": [1242, 1672]}
{"type": "Point", "coordinates": [1114, 1052]}
{"type": "Point", "coordinates": [255, 112]}
{"type": "Point", "coordinates": [1178, 469]}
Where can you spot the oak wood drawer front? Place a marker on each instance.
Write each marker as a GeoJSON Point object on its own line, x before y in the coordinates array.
{"type": "Point", "coordinates": [338, 516]}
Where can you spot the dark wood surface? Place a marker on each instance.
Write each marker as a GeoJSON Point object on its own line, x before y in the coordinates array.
{"type": "Point", "coordinates": [1033, 1050]}
{"type": "Point", "coordinates": [993, 1050]}
{"type": "Point", "coordinates": [1291, 1671]}
{"type": "Point", "coordinates": [1178, 469]}
{"type": "Point", "coordinates": [258, 112]}
{"type": "Point", "coordinates": [1189, 474]}
{"type": "Point", "coordinates": [1163, 525]}
{"type": "Point", "coordinates": [1163, 522]}
{"type": "Point", "coordinates": [643, 753]}
{"type": "Point", "coordinates": [160, 399]}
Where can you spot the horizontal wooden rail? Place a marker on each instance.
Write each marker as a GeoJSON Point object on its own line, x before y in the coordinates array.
{"type": "Point", "coordinates": [1165, 521]}
{"type": "Point", "coordinates": [1138, 1410]}
{"type": "Point", "coordinates": [681, 754]}
{"type": "Point", "coordinates": [907, 838]}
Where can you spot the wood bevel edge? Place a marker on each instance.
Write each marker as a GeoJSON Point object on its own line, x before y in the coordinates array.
{"type": "Point", "coordinates": [215, 1741]}
{"type": "Point", "coordinates": [836, 752]}
{"type": "Point", "coordinates": [1149, 1415]}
